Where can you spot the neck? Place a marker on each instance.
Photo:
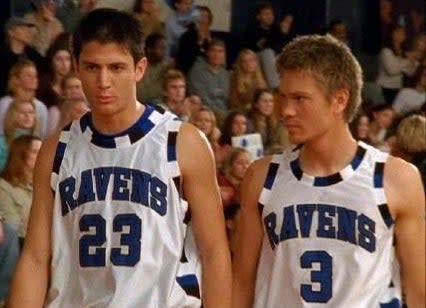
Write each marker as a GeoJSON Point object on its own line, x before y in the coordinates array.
{"type": "Point", "coordinates": [25, 94]}
{"type": "Point", "coordinates": [329, 153]}
{"type": "Point", "coordinates": [117, 122]}
{"type": "Point", "coordinates": [16, 46]}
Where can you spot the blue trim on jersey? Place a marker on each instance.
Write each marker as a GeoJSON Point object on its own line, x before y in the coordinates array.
{"type": "Point", "coordinates": [190, 284]}
{"type": "Point", "coordinates": [394, 303]}
{"type": "Point", "coordinates": [322, 181]}
{"type": "Point", "coordinates": [386, 215]}
{"type": "Point", "coordinates": [378, 175]}
{"type": "Point", "coordinates": [59, 156]}
{"type": "Point", "coordinates": [171, 146]}
{"type": "Point", "coordinates": [271, 175]}
{"type": "Point", "coordinates": [142, 127]}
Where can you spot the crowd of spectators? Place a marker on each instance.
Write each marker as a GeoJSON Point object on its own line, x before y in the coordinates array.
{"type": "Point", "coordinates": [187, 75]}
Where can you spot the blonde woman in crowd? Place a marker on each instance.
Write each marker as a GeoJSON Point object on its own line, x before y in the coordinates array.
{"type": "Point", "coordinates": [16, 183]}
{"type": "Point", "coordinates": [22, 86]}
{"type": "Point", "coordinates": [205, 119]}
{"type": "Point", "coordinates": [246, 77]}
{"type": "Point", "coordinates": [20, 120]}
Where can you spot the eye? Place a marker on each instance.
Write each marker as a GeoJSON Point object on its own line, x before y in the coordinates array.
{"type": "Point", "coordinates": [118, 68]}
{"type": "Point", "coordinates": [91, 67]}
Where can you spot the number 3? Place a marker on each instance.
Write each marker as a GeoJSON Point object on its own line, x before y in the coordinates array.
{"type": "Point", "coordinates": [98, 257]}
{"type": "Point", "coordinates": [322, 276]}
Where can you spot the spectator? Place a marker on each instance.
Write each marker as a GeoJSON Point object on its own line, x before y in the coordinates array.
{"type": "Point", "coordinates": [286, 27]}
{"type": "Point", "coordinates": [184, 14]}
{"type": "Point", "coordinates": [413, 97]}
{"type": "Point", "coordinates": [205, 120]}
{"type": "Point", "coordinates": [417, 49]}
{"type": "Point", "coordinates": [71, 87]}
{"type": "Point", "coordinates": [210, 79]}
{"type": "Point", "coordinates": [392, 65]}
{"type": "Point", "coordinates": [193, 43]}
{"type": "Point", "coordinates": [174, 99]}
{"type": "Point", "coordinates": [48, 26]}
{"type": "Point", "coordinates": [146, 11]}
{"type": "Point", "coordinates": [16, 183]}
{"type": "Point", "coordinates": [71, 11]}
{"type": "Point", "coordinates": [23, 83]}
{"type": "Point", "coordinates": [150, 88]}
{"type": "Point", "coordinates": [245, 79]}
{"type": "Point", "coordinates": [410, 142]}
{"type": "Point", "coordinates": [72, 109]}
{"type": "Point", "coordinates": [262, 120]}
{"type": "Point", "coordinates": [20, 120]}
{"type": "Point", "coordinates": [338, 29]}
{"type": "Point", "coordinates": [360, 127]}
{"type": "Point", "coordinates": [9, 254]}
{"type": "Point", "coordinates": [58, 58]}
{"type": "Point", "coordinates": [19, 34]}
{"type": "Point", "coordinates": [381, 119]}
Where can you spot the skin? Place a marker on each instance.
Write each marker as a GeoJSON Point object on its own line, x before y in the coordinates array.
{"type": "Point", "coordinates": [216, 56]}
{"type": "Point", "coordinates": [73, 88]}
{"type": "Point", "coordinates": [27, 78]}
{"type": "Point", "coordinates": [265, 104]}
{"type": "Point", "coordinates": [25, 115]}
{"type": "Point", "coordinates": [318, 122]}
{"type": "Point", "coordinates": [239, 125]}
{"type": "Point", "coordinates": [62, 62]}
{"type": "Point", "coordinates": [109, 77]}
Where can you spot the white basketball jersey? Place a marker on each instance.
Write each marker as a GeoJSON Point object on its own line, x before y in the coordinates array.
{"type": "Point", "coordinates": [328, 241]}
{"type": "Point", "coordinates": [119, 222]}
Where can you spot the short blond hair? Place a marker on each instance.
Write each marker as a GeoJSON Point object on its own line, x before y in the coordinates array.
{"type": "Point", "coordinates": [330, 62]}
{"type": "Point", "coordinates": [411, 134]}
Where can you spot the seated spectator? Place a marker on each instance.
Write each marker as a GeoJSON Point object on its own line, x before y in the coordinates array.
{"type": "Point", "coordinates": [184, 14]}
{"type": "Point", "coordinates": [20, 120]}
{"type": "Point", "coordinates": [174, 99]}
{"type": "Point", "coordinates": [205, 120]}
{"type": "Point", "coordinates": [150, 88]}
{"type": "Point", "coordinates": [19, 33]}
{"type": "Point", "coordinates": [58, 58]}
{"type": "Point", "coordinates": [71, 87]}
{"type": "Point", "coordinates": [210, 80]}
{"type": "Point", "coordinates": [413, 97]}
{"type": "Point", "coordinates": [393, 65]}
{"type": "Point", "coordinates": [71, 12]}
{"type": "Point", "coordinates": [338, 29]}
{"type": "Point", "coordinates": [235, 124]}
{"type": "Point", "coordinates": [381, 119]}
{"type": "Point", "coordinates": [72, 109]}
{"type": "Point", "coordinates": [9, 255]}
{"type": "Point", "coordinates": [246, 77]}
{"type": "Point", "coordinates": [286, 27]}
{"type": "Point", "coordinates": [232, 174]}
{"type": "Point", "coordinates": [16, 183]}
{"type": "Point", "coordinates": [48, 26]}
{"type": "Point", "coordinates": [262, 120]}
{"type": "Point", "coordinates": [410, 142]}
{"type": "Point", "coordinates": [23, 83]}
{"type": "Point", "coordinates": [229, 183]}
{"type": "Point", "coordinates": [193, 43]}
{"type": "Point", "coordinates": [147, 12]}
{"type": "Point", "coordinates": [360, 127]}
{"type": "Point", "coordinates": [417, 50]}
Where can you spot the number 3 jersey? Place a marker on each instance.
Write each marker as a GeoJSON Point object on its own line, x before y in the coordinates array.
{"type": "Point", "coordinates": [328, 241]}
{"type": "Point", "coordinates": [119, 232]}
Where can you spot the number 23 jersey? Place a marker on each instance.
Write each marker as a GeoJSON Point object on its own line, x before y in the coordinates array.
{"type": "Point", "coordinates": [328, 241]}
{"type": "Point", "coordinates": [119, 226]}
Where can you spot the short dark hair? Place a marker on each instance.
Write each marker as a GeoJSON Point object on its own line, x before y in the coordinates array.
{"type": "Point", "coordinates": [107, 25]}
{"type": "Point", "coordinates": [215, 42]}
{"type": "Point", "coordinates": [263, 5]}
{"type": "Point", "coordinates": [207, 10]}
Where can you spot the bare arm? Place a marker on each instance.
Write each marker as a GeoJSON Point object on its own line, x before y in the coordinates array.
{"type": "Point", "coordinates": [202, 192]}
{"type": "Point", "coordinates": [249, 233]}
{"type": "Point", "coordinates": [406, 199]}
{"type": "Point", "coordinates": [30, 282]}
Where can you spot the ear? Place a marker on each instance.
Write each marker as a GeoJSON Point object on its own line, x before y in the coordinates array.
{"type": "Point", "coordinates": [140, 68]}
{"type": "Point", "coordinates": [340, 100]}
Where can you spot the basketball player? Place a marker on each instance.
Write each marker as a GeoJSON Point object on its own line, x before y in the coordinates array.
{"type": "Point", "coordinates": [317, 222]}
{"type": "Point", "coordinates": [113, 192]}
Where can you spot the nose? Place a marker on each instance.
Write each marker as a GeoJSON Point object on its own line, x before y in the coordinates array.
{"type": "Point", "coordinates": [287, 108]}
{"type": "Point", "coordinates": [104, 79]}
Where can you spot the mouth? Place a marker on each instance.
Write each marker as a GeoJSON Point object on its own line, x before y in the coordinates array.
{"type": "Point", "coordinates": [104, 98]}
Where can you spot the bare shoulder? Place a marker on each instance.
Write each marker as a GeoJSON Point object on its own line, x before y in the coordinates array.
{"type": "Point", "coordinates": [254, 180]}
{"type": "Point", "coordinates": [402, 185]}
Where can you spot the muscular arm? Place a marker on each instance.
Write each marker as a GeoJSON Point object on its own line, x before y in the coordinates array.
{"type": "Point", "coordinates": [31, 278]}
{"type": "Point", "coordinates": [250, 233]}
{"type": "Point", "coordinates": [202, 192]}
{"type": "Point", "coordinates": [406, 199]}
